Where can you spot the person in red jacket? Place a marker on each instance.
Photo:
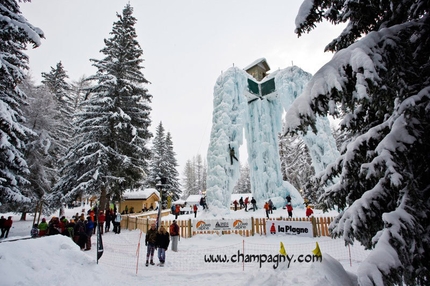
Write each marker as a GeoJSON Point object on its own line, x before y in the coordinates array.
{"type": "Point", "coordinates": [101, 221]}
{"type": "Point", "coordinates": [235, 203]}
{"type": "Point", "coordinates": [309, 211]}
{"type": "Point", "coordinates": [267, 208]}
{"type": "Point", "coordinates": [290, 210]}
{"type": "Point", "coordinates": [195, 208]}
{"type": "Point", "coordinates": [7, 225]}
{"type": "Point", "coordinates": [273, 229]}
{"type": "Point", "coordinates": [246, 203]}
{"type": "Point", "coordinates": [177, 211]}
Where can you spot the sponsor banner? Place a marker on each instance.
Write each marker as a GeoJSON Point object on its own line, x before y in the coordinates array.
{"type": "Point", "coordinates": [299, 228]}
{"type": "Point", "coordinates": [222, 224]}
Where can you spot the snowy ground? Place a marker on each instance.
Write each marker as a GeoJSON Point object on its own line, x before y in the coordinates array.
{"type": "Point", "coordinates": [56, 260]}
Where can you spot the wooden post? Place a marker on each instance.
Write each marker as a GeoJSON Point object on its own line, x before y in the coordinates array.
{"type": "Point", "coordinates": [189, 228]}
{"type": "Point", "coordinates": [252, 226]}
{"type": "Point", "coordinates": [314, 226]}
{"type": "Point", "coordinates": [264, 226]}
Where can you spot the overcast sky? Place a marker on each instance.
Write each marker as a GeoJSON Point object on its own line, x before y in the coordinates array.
{"type": "Point", "coordinates": [186, 45]}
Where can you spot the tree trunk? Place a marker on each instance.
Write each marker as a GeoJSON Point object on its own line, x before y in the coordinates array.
{"type": "Point", "coordinates": [107, 202]}
{"type": "Point", "coordinates": [40, 211]}
{"type": "Point", "coordinates": [23, 216]}
{"type": "Point", "coordinates": [102, 204]}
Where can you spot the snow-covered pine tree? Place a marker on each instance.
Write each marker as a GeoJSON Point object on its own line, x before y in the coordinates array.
{"type": "Point", "coordinates": [110, 154]}
{"type": "Point", "coordinates": [189, 178]}
{"type": "Point", "coordinates": [78, 89]}
{"type": "Point", "coordinates": [379, 78]}
{"type": "Point", "coordinates": [43, 148]}
{"type": "Point", "coordinates": [200, 176]}
{"type": "Point", "coordinates": [296, 164]}
{"type": "Point", "coordinates": [163, 165]}
{"type": "Point", "coordinates": [243, 185]}
{"type": "Point", "coordinates": [15, 33]}
{"type": "Point", "coordinates": [172, 174]}
{"type": "Point", "coordinates": [157, 164]}
{"type": "Point", "coordinates": [55, 82]}
{"type": "Point", "coordinates": [203, 186]}
{"type": "Point", "coordinates": [194, 176]}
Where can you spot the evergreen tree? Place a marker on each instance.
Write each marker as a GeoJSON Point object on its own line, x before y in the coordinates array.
{"type": "Point", "coordinates": [243, 185]}
{"type": "Point", "coordinates": [296, 164]}
{"type": "Point", "coordinates": [110, 153]}
{"type": "Point", "coordinates": [173, 186]}
{"type": "Point", "coordinates": [195, 176]}
{"type": "Point", "coordinates": [78, 89]}
{"type": "Point", "coordinates": [15, 33]}
{"type": "Point", "coordinates": [200, 173]}
{"type": "Point", "coordinates": [55, 82]}
{"type": "Point", "coordinates": [157, 165]}
{"type": "Point", "coordinates": [189, 174]}
{"type": "Point", "coordinates": [163, 166]}
{"type": "Point", "coordinates": [380, 81]}
{"type": "Point", "coordinates": [42, 152]}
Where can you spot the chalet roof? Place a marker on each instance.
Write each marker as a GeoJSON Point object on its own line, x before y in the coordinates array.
{"type": "Point", "coordinates": [193, 198]}
{"type": "Point", "coordinates": [179, 202]}
{"type": "Point", "coordinates": [140, 194]}
{"type": "Point", "coordinates": [261, 62]}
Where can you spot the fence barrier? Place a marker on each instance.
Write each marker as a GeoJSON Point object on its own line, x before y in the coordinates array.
{"type": "Point", "coordinates": [320, 225]}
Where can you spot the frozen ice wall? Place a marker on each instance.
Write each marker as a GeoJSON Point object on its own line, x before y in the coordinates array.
{"type": "Point", "coordinates": [228, 120]}
{"type": "Point", "coordinates": [262, 121]}
{"type": "Point", "coordinates": [290, 83]}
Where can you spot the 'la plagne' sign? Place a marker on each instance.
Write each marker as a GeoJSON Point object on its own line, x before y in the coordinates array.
{"type": "Point", "coordinates": [299, 228]}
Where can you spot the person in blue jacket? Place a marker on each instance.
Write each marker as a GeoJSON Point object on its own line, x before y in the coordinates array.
{"type": "Point", "coordinates": [89, 226]}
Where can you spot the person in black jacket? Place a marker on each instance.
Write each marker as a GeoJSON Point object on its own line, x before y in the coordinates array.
{"type": "Point", "coordinates": [2, 221]}
{"type": "Point", "coordinates": [162, 243]}
{"type": "Point", "coordinates": [254, 204]}
{"type": "Point", "coordinates": [150, 242]}
{"type": "Point", "coordinates": [232, 154]}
